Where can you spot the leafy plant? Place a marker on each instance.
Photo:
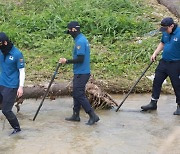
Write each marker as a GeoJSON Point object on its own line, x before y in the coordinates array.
{"type": "Point", "coordinates": [112, 27]}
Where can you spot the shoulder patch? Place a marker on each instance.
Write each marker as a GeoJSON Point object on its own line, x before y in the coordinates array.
{"type": "Point", "coordinates": [21, 60]}
{"type": "Point", "coordinates": [78, 47]}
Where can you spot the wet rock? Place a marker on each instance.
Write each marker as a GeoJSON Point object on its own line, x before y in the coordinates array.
{"type": "Point", "coordinates": [172, 5]}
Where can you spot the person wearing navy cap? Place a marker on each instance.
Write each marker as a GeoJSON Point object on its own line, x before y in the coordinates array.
{"type": "Point", "coordinates": [169, 65]}
{"type": "Point", "coordinates": [12, 78]}
{"type": "Point", "coordinates": [81, 70]}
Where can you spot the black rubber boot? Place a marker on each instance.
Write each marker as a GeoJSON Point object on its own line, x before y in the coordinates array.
{"type": "Point", "coordinates": [92, 118]}
{"type": "Point", "coordinates": [177, 112]}
{"type": "Point", "coordinates": [15, 124]}
{"type": "Point", "coordinates": [151, 106]}
{"type": "Point", "coordinates": [15, 131]}
{"type": "Point", "coordinates": [74, 117]}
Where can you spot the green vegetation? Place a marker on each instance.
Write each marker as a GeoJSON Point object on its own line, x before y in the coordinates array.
{"type": "Point", "coordinates": [115, 29]}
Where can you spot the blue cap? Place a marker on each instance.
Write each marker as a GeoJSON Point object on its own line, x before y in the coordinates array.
{"type": "Point", "coordinates": [168, 21]}
{"type": "Point", "coordinates": [3, 37]}
{"type": "Point", "coordinates": [73, 24]}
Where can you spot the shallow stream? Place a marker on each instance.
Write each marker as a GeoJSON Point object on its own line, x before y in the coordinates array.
{"type": "Point", "coordinates": [127, 131]}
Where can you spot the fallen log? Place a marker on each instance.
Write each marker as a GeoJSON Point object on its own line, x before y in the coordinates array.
{"type": "Point", "coordinates": [98, 98]}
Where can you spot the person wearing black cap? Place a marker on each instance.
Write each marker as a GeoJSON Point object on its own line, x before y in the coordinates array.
{"type": "Point", "coordinates": [12, 77]}
{"type": "Point", "coordinates": [169, 65]}
{"type": "Point", "coordinates": [81, 70]}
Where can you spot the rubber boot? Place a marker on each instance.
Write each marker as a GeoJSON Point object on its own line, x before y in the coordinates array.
{"type": "Point", "coordinates": [92, 118]}
{"type": "Point", "coordinates": [15, 124]}
{"type": "Point", "coordinates": [151, 106]}
{"type": "Point", "coordinates": [74, 117]}
{"type": "Point", "coordinates": [177, 112]}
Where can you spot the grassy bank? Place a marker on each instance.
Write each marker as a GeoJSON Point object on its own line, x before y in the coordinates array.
{"type": "Point", "coordinates": [118, 31]}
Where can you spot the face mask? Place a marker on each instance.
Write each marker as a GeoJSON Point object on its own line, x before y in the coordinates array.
{"type": "Point", "coordinates": [6, 48]}
{"type": "Point", "coordinates": [73, 34]}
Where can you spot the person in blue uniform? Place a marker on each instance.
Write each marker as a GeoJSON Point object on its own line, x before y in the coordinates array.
{"type": "Point", "coordinates": [12, 75]}
{"type": "Point", "coordinates": [169, 65]}
{"type": "Point", "coordinates": [81, 70]}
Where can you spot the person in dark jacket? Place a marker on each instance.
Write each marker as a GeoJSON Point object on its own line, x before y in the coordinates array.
{"type": "Point", "coordinates": [169, 65]}
{"type": "Point", "coordinates": [12, 75]}
{"type": "Point", "coordinates": [81, 70]}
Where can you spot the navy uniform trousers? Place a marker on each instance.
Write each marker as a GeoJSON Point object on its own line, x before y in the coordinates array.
{"type": "Point", "coordinates": [8, 96]}
{"type": "Point", "coordinates": [79, 96]}
{"type": "Point", "coordinates": [163, 70]}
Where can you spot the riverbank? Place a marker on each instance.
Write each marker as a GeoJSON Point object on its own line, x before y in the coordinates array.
{"type": "Point", "coordinates": [124, 74]}
{"type": "Point", "coordinates": [122, 35]}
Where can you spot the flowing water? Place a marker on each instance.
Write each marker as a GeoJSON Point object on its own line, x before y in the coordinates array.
{"type": "Point", "coordinates": [127, 131]}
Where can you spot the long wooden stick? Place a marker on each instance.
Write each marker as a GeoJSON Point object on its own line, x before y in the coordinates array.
{"type": "Point", "coordinates": [133, 86]}
{"type": "Point", "coordinates": [52, 79]}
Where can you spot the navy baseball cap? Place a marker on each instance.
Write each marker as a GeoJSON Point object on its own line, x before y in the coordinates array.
{"type": "Point", "coordinates": [3, 37]}
{"type": "Point", "coordinates": [168, 21]}
{"type": "Point", "coordinates": [73, 24]}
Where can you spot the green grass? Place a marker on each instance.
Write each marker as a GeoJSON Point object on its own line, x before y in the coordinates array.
{"type": "Point", "coordinates": [113, 28]}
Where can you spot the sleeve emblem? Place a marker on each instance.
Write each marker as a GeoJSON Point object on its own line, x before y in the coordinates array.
{"type": "Point", "coordinates": [21, 60]}
{"type": "Point", "coordinates": [78, 47]}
